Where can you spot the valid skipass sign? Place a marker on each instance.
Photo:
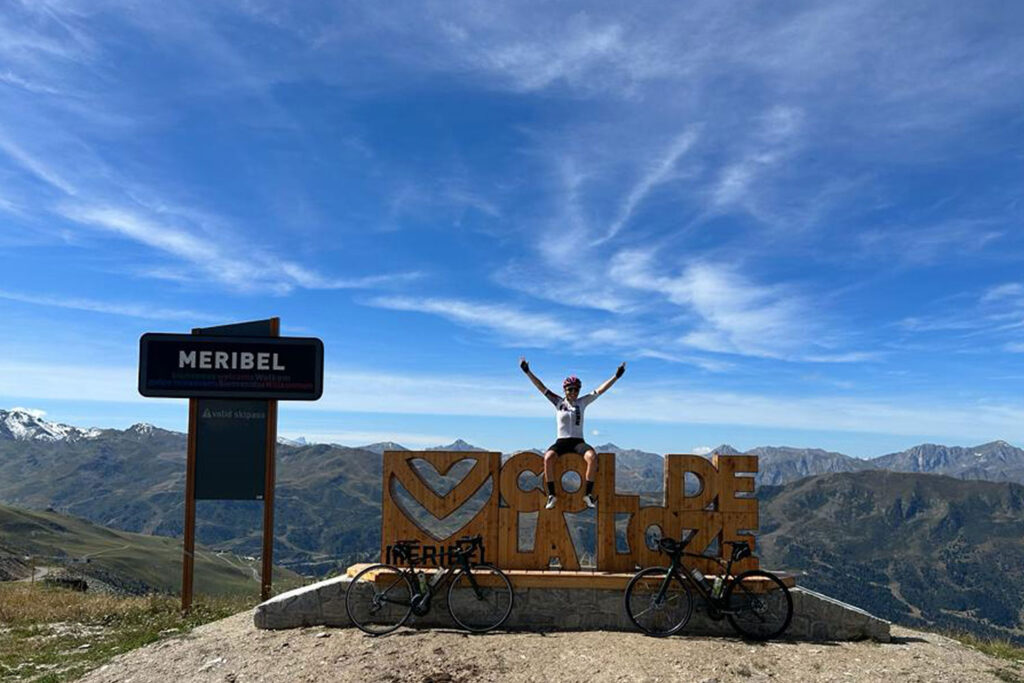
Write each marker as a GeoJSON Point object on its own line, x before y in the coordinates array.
{"type": "Point", "coordinates": [198, 366]}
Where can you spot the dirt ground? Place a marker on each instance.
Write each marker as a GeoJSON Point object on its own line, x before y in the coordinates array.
{"type": "Point", "coordinates": [233, 650]}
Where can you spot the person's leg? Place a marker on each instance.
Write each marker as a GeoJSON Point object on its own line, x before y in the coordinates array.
{"type": "Point", "coordinates": [549, 471]}
{"type": "Point", "coordinates": [590, 457]}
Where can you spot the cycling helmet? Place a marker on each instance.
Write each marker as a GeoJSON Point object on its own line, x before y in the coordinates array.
{"type": "Point", "coordinates": [572, 381]}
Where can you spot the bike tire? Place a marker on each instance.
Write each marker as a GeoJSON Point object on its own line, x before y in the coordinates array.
{"type": "Point", "coordinates": [759, 603]}
{"type": "Point", "coordinates": [379, 599]}
{"type": "Point", "coordinates": [485, 608]}
{"type": "Point", "coordinates": [647, 614]}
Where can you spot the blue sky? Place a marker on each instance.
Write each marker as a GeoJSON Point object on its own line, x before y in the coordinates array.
{"type": "Point", "coordinates": [798, 223]}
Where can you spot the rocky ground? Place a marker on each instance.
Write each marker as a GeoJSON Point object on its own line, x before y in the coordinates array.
{"type": "Point", "coordinates": [233, 650]}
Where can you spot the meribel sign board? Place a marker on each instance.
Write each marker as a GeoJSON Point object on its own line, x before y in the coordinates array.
{"type": "Point", "coordinates": [201, 366]}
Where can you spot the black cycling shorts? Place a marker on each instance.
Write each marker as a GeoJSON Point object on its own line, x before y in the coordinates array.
{"type": "Point", "coordinates": [563, 446]}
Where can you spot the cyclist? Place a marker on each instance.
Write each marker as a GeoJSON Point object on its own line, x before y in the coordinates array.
{"type": "Point", "coordinates": [569, 418]}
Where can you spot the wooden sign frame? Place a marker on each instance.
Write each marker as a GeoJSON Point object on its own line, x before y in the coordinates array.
{"type": "Point", "coordinates": [721, 509]}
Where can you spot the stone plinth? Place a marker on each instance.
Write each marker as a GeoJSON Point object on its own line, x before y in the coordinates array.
{"type": "Point", "coordinates": [816, 617]}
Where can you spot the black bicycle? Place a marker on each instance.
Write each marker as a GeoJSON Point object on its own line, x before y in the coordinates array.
{"type": "Point", "coordinates": [382, 597]}
{"type": "Point", "coordinates": [659, 600]}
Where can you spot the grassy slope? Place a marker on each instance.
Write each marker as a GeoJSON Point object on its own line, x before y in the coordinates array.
{"type": "Point", "coordinates": [51, 635]}
{"type": "Point", "coordinates": [152, 560]}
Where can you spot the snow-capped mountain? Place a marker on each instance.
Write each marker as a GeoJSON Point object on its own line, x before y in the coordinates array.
{"type": "Point", "coordinates": [22, 425]}
{"type": "Point", "coordinates": [382, 446]}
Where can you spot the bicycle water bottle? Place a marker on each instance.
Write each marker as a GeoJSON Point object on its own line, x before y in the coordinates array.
{"type": "Point", "coordinates": [423, 582]}
{"type": "Point", "coordinates": [699, 578]}
{"type": "Point", "coordinates": [716, 591]}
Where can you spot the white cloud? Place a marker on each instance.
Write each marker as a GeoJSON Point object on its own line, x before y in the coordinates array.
{"type": "Point", "coordinates": [929, 244]}
{"type": "Point", "coordinates": [243, 268]}
{"type": "Point", "coordinates": [700, 450]}
{"type": "Point", "coordinates": [113, 308]}
{"type": "Point", "coordinates": [1009, 290]}
{"type": "Point", "coordinates": [734, 315]}
{"type": "Point", "coordinates": [20, 380]}
{"type": "Point", "coordinates": [371, 391]}
{"type": "Point", "coordinates": [515, 327]}
{"type": "Point", "coordinates": [525, 328]}
{"type": "Point", "coordinates": [35, 166]}
{"type": "Point", "coordinates": [660, 172]}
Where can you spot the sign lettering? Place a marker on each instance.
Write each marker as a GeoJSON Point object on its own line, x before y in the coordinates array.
{"type": "Point", "coordinates": [201, 366]}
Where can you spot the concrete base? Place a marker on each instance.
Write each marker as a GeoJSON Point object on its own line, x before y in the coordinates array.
{"type": "Point", "coordinates": [816, 617]}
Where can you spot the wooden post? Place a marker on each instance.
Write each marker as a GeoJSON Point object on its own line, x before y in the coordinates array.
{"type": "Point", "coordinates": [267, 574]}
{"type": "Point", "coordinates": [188, 558]}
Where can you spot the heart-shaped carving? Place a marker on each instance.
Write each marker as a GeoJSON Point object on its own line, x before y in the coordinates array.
{"type": "Point", "coordinates": [442, 464]}
{"type": "Point", "coordinates": [440, 528]}
{"type": "Point", "coordinates": [442, 483]}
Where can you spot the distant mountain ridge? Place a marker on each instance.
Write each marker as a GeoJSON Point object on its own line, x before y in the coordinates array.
{"type": "Point", "coordinates": [918, 549]}
{"type": "Point", "coordinates": [993, 461]}
{"type": "Point", "coordinates": [22, 425]}
{"type": "Point", "coordinates": [879, 539]}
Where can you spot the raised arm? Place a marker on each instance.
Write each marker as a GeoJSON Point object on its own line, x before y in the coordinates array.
{"type": "Point", "coordinates": [614, 378]}
{"type": "Point", "coordinates": [533, 378]}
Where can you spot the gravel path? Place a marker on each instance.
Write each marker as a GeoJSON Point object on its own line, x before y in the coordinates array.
{"type": "Point", "coordinates": [233, 650]}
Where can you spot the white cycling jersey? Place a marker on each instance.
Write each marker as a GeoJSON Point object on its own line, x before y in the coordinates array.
{"type": "Point", "coordinates": [569, 416]}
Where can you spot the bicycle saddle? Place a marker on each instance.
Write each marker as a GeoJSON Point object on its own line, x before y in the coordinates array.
{"type": "Point", "coordinates": [669, 545]}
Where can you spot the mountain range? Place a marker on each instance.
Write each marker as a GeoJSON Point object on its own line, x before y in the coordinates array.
{"type": "Point", "coordinates": [890, 534]}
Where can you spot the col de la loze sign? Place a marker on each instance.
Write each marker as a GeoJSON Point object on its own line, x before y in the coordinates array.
{"type": "Point", "coordinates": [501, 502]}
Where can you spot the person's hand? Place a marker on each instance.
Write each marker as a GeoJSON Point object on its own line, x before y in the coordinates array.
{"type": "Point", "coordinates": [620, 371]}
{"type": "Point", "coordinates": [524, 365]}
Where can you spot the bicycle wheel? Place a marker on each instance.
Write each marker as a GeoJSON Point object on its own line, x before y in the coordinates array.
{"type": "Point", "coordinates": [653, 614]}
{"type": "Point", "coordinates": [759, 604]}
{"type": "Point", "coordinates": [482, 607]}
{"type": "Point", "coordinates": [379, 599]}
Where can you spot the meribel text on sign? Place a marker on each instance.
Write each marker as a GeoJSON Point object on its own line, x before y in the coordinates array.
{"type": "Point", "coordinates": [195, 366]}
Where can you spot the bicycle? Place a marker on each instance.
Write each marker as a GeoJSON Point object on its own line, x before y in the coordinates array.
{"type": "Point", "coordinates": [756, 603]}
{"type": "Point", "coordinates": [480, 596]}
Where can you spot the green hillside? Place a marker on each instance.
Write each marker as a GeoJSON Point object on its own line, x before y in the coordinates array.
{"type": "Point", "coordinates": [917, 549]}
{"type": "Point", "coordinates": [130, 562]}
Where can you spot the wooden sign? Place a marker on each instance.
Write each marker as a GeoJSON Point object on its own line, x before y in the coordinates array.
{"type": "Point", "coordinates": [435, 497]}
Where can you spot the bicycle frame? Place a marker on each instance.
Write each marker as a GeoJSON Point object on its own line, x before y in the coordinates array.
{"type": "Point", "coordinates": [673, 570]}
{"type": "Point", "coordinates": [420, 601]}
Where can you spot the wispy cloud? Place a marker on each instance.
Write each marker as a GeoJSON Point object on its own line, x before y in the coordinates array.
{"type": "Point", "coordinates": [733, 314]}
{"type": "Point", "coordinates": [132, 310]}
{"type": "Point", "coordinates": [660, 172]}
{"type": "Point", "coordinates": [35, 166]}
{"type": "Point", "coordinates": [990, 320]}
{"type": "Point", "coordinates": [26, 380]}
{"type": "Point", "coordinates": [254, 271]}
{"type": "Point", "coordinates": [680, 403]}
{"type": "Point", "coordinates": [519, 327]}
{"type": "Point", "coordinates": [774, 139]}
{"type": "Point", "coordinates": [515, 327]}
{"type": "Point", "coordinates": [930, 244]}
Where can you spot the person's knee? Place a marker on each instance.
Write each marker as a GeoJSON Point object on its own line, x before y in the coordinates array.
{"type": "Point", "coordinates": [549, 456]}
{"type": "Point", "coordinates": [590, 456]}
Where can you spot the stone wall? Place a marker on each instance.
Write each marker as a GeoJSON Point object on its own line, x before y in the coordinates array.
{"type": "Point", "coordinates": [816, 617]}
